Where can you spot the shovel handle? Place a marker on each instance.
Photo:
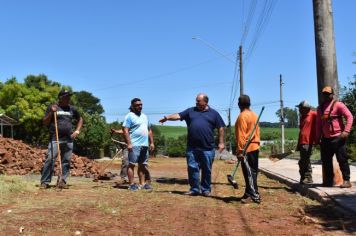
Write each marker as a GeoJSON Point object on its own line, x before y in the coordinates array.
{"type": "Point", "coordinates": [58, 147]}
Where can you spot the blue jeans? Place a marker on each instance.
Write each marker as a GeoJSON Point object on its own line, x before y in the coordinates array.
{"type": "Point", "coordinates": [66, 149]}
{"type": "Point", "coordinates": [196, 160]}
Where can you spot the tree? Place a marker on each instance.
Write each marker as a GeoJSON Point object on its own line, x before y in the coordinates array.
{"type": "Point", "coordinates": [349, 98]}
{"type": "Point", "coordinates": [290, 117]}
{"type": "Point", "coordinates": [27, 102]}
{"type": "Point", "coordinates": [87, 102]}
{"type": "Point", "coordinates": [94, 136]}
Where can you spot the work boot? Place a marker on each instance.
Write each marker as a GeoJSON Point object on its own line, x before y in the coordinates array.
{"type": "Point", "coordinates": [346, 184]}
{"type": "Point", "coordinates": [44, 186]}
{"type": "Point", "coordinates": [306, 181]}
{"type": "Point", "coordinates": [62, 184]}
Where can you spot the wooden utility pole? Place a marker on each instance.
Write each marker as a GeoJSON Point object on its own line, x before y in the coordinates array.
{"type": "Point", "coordinates": [325, 46]}
{"type": "Point", "coordinates": [241, 72]}
{"type": "Point", "coordinates": [282, 113]}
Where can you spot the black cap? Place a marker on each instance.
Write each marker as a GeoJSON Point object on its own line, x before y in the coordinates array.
{"type": "Point", "coordinates": [63, 93]}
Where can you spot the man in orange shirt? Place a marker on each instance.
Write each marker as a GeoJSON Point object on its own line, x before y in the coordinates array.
{"type": "Point", "coordinates": [306, 140]}
{"type": "Point", "coordinates": [243, 127]}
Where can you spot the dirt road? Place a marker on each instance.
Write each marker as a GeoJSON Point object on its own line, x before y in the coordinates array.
{"type": "Point", "coordinates": [102, 208]}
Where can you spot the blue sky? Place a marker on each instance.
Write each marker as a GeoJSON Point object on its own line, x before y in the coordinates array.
{"type": "Point", "coordinates": [119, 50]}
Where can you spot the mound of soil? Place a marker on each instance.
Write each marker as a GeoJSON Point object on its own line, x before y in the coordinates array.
{"type": "Point", "coordinates": [18, 158]}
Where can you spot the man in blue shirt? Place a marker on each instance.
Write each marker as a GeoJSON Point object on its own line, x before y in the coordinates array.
{"type": "Point", "coordinates": [139, 139]}
{"type": "Point", "coordinates": [201, 121]}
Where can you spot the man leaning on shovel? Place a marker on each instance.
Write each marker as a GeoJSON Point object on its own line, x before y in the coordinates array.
{"type": "Point", "coordinates": [59, 118]}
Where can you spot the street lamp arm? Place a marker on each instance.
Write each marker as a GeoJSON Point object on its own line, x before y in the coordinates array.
{"type": "Point", "coordinates": [215, 49]}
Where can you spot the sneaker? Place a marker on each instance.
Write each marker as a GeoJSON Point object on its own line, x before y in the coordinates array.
{"type": "Point", "coordinates": [191, 193]}
{"type": "Point", "coordinates": [346, 184]}
{"type": "Point", "coordinates": [62, 184]}
{"type": "Point", "coordinates": [133, 187]}
{"type": "Point", "coordinates": [147, 187]}
{"type": "Point", "coordinates": [250, 200]}
{"type": "Point", "coordinates": [44, 186]}
{"type": "Point", "coordinates": [206, 194]}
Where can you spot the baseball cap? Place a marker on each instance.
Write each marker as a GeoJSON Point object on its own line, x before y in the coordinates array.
{"type": "Point", "coordinates": [303, 104]}
{"type": "Point", "coordinates": [63, 93]}
{"type": "Point", "coordinates": [327, 89]}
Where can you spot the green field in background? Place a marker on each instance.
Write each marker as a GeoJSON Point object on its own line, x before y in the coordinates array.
{"type": "Point", "coordinates": [289, 133]}
{"type": "Point", "coordinates": [172, 131]}
{"type": "Point", "coordinates": [176, 131]}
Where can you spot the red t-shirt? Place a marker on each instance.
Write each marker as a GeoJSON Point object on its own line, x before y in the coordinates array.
{"type": "Point", "coordinates": [307, 128]}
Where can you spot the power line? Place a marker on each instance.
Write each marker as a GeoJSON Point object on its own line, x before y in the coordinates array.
{"type": "Point", "coordinates": [156, 76]}
{"type": "Point", "coordinates": [262, 22]}
{"type": "Point", "coordinates": [250, 16]}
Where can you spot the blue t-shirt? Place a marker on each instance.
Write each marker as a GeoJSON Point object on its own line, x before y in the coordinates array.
{"type": "Point", "coordinates": [138, 126]}
{"type": "Point", "coordinates": [201, 125]}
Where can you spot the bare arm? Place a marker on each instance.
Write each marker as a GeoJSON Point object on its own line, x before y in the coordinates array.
{"type": "Point", "coordinates": [221, 139]}
{"type": "Point", "coordinates": [47, 119]}
{"type": "Point", "coordinates": [77, 130]}
{"type": "Point", "coordinates": [150, 136]}
{"type": "Point", "coordinates": [174, 116]}
{"type": "Point", "coordinates": [127, 138]}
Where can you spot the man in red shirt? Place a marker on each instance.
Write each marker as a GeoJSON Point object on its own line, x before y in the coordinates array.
{"type": "Point", "coordinates": [332, 133]}
{"type": "Point", "coordinates": [306, 140]}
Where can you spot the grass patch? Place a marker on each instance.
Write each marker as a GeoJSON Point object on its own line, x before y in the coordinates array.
{"type": "Point", "coordinates": [12, 185]}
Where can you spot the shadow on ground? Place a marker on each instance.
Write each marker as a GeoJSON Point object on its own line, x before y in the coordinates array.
{"type": "Point", "coordinates": [331, 220]}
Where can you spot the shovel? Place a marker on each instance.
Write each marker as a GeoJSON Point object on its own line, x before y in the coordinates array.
{"type": "Point", "coordinates": [58, 148]}
{"type": "Point", "coordinates": [279, 156]}
{"type": "Point", "coordinates": [230, 178]}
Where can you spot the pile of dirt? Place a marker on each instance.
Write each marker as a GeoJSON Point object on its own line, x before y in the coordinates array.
{"type": "Point", "coordinates": [18, 158]}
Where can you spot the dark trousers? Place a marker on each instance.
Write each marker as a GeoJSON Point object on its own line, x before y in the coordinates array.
{"type": "Point", "coordinates": [250, 171]}
{"type": "Point", "coordinates": [305, 169]}
{"type": "Point", "coordinates": [328, 148]}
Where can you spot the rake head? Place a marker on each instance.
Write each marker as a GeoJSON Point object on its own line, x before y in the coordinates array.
{"type": "Point", "coordinates": [232, 181]}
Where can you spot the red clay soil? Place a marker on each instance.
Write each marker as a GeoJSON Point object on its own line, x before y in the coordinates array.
{"type": "Point", "coordinates": [18, 158]}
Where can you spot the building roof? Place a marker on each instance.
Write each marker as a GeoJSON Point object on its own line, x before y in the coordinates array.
{"type": "Point", "coordinates": [5, 120]}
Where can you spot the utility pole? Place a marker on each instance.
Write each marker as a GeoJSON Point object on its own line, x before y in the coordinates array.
{"type": "Point", "coordinates": [241, 72]}
{"type": "Point", "coordinates": [326, 58]}
{"type": "Point", "coordinates": [282, 113]}
{"type": "Point", "coordinates": [325, 46]}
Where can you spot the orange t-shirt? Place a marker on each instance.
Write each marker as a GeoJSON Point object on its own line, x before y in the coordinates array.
{"type": "Point", "coordinates": [243, 128]}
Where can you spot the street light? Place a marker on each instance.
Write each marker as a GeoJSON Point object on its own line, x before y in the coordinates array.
{"type": "Point", "coordinates": [215, 49]}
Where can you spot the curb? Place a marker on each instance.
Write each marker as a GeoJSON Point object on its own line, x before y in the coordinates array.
{"type": "Point", "coordinates": [310, 191]}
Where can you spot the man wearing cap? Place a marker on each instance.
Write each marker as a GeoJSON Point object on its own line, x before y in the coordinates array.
{"type": "Point", "coordinates": [307, 124]}
{"type": "Point", "coordinates": [64, 113]}
{"type": "Point", "coordinates": [332, 134]}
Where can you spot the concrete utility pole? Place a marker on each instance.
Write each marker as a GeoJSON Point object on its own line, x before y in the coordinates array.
{"type": "Point", "coordinates": [241, 72]}
{"type": "Point", "coordinates": [326, 58]}
{"type": "Point", "coordinates": [325, 46]}
{"type": "Point", "coordinates": [282, 113]}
